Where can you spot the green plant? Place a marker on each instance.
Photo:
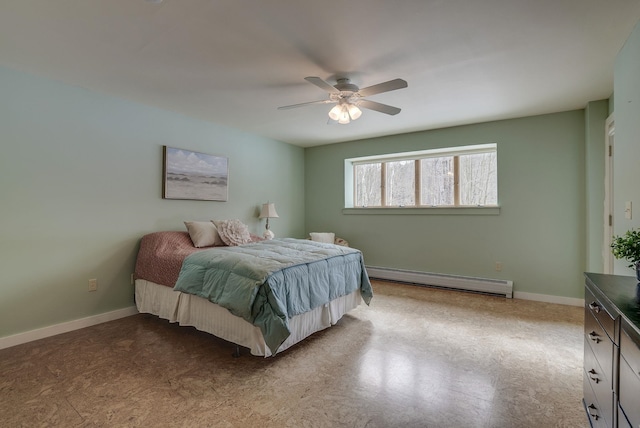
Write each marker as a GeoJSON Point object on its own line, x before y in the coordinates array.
{"type": "Point", "coordinates": [627, 247]}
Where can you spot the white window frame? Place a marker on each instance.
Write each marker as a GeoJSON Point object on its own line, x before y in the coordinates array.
{"type": "Point", "coordinates": [350, 190]}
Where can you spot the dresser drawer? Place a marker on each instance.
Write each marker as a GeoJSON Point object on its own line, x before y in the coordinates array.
{"type": "Point", "coordinates": [599, 312]}
{"type": "Point", "coordinates": [629, 393]}
{"type": "Point", "coordinates": [630, 351]}
{"type": "Point", "coordinates": [597, 378]}
{"type": "Point", "coordinates": [594, 413]}
{"type": "Point", "coordinates": [599, 384]}
{"type": "Point", "coordinates": [600, 344]}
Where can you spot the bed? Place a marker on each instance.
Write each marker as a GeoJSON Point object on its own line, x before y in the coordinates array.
{"type": "Point", "coordinates": [263, 295]}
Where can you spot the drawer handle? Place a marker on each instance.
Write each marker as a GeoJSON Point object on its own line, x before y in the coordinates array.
{"type": "Point", "coordinates": [594, 336]}
{"type": "Point", "coordinates": [593, 412]}
{"type": "Point", "coordinates": [592, 376]}
{"type": "Point", "coordinates": [595, 307]}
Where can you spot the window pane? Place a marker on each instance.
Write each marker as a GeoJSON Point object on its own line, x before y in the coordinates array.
{"type": "Point", "coordinates": [401, 183]}
{"type": "Point", "coordinates": [368, 185]}
{"type": "Point", "coordinates": [478, 179]}
{"type": "Point", "coordinates": [436, 181]}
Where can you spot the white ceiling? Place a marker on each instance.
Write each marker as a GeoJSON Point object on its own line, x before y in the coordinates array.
{"type": "Point", "coordinates": [234, 62]}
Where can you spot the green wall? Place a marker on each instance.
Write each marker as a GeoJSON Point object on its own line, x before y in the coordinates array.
{"type": "Point", "coordinates": [539, 234]}
{"type": "Point", "coordinates": [81, 182]}
{"type": "Point", "coordinates": [626, 153]}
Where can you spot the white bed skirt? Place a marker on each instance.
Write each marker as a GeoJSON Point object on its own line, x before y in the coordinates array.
{"type": "Point", "coordinates": [189, 310]}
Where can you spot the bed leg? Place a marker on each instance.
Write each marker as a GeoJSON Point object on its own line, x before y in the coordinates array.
{"type": "Point", "coordinates": [236, 353]}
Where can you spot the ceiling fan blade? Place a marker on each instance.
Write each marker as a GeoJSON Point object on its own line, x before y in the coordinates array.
{"type": "Point", "coordinates": [322, 84]}
{"type": "Point", "coordinates": [391, 85]}
{"type": "Point", "coordinates": [382, 108]}
{"type": "Point", "coordinates": [305, 104]}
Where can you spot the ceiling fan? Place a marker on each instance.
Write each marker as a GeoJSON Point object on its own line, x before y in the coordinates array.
{"type": "Point", "coordinates": [348, 98]}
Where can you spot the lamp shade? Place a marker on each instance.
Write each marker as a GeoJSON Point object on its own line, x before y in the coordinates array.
{"type": "Point", "coordinates": [334, 113]}
{"type": "Point", "coordinates": [354, 111]}
{"type": "Point", "coordinates": [268, 211]}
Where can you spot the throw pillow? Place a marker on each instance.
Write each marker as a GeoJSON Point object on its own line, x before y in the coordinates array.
{"type": "Point", "coordinates": [203, 233]}
{"type": "Point", "coordinates": [327, 238]}
{"type": "Point", "coordinates": [233, 232]}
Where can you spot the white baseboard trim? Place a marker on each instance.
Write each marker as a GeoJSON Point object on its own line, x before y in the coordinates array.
{"type": "Point", "coordinates": [65, 327]}
{"type": "Point", "coordinates": [456, 282]}
{"type": "Point", "coordinates": [491, 286]}
{"type": "Point", "coordinates": [570, 301]}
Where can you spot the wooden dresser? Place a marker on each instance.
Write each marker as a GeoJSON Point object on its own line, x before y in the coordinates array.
{"type": "Point", "coordinates": [612, 351]}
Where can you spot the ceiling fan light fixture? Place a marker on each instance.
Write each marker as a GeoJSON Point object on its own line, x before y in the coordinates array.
{"type": "Point", "coordinates": [349, 98]}
{"type": "Point", "coordinates": [354, 111]}
{"type": "Point", "coordinates": [345, 112]}
{"type": "Point", "coordinates": [344, 118]}
{"type": "Point", "coordinates": [334, 113]}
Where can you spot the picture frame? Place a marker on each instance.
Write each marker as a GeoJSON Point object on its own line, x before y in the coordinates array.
{"type": "Point", "coordinates": [187, 174]}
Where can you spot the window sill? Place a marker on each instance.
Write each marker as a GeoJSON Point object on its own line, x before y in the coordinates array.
{"type": "Point", "coordinates": [424, 211]}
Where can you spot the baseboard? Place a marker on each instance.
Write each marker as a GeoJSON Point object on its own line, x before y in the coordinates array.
{"type": "Point", "coordinates": [65, 327]}
{"type": "Point", "coordinates": [570, 301]}
{"type": "Point", "coordinates": [456, 282]}
{"type": "Point", "coordinates": [466, 283]}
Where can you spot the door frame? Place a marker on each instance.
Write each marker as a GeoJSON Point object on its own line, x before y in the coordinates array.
{"type": "Point", "coordinates": [610, 130]}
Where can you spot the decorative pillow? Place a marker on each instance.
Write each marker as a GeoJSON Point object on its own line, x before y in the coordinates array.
{"type": "Point", "coordinates": [327, 238]}
{"type": "Point", "coordinates": [233, 232]}
{"type": "Point", "coordinates": [203, 233]}
{"type": "Point", "coordinates": [340, 241]}
{"type": "Point", "coordinates": [256, 238]}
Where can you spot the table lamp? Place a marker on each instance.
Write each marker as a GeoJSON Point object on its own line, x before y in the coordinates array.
{"type": "Point", "coordinates": [268, 211]}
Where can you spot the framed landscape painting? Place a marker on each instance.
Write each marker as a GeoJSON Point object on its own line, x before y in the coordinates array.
{"type": "Point", "coordinates": [193, 175]}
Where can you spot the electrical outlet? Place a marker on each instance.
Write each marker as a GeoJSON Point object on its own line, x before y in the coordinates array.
{"type": "Point", "coordinates": [498, 266]}
{"type": "Point", "coordinates": [93, 284]}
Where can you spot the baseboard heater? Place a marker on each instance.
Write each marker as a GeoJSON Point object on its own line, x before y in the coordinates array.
{"type": "Point", "coordinates": [466, 283]}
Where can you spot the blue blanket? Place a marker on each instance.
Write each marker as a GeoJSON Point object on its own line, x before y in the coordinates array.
{"type": "Point", "coordinates": [269, 282]}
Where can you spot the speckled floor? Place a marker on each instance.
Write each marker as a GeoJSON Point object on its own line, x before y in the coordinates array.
{"type": "Point", "coordinates": [416, 357]}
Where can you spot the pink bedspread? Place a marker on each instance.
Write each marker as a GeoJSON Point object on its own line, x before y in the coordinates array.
{"type": "Point", "coordinates": [161, 255]}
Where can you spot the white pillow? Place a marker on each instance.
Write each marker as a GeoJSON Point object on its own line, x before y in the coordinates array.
{"type": "Point", "coordinates": [327, 238]}
{"type": "Point", "coordinates": [203, 233]}
{"type": "Point", "coordinates": [233, 232]}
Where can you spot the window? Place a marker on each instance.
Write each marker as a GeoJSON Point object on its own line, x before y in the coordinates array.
{"type": "Point", "coordinates": [400, 188]}
{"type": "Point", "coordinates": [368, 184]}
{"type": "Point", "coordinates": [460, 176]}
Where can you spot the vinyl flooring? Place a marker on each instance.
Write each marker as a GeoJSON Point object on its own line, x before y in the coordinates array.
{"type": "Point", "coordinates": [417, 357]}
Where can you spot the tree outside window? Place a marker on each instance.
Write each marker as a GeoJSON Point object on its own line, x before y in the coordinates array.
{"type": "Point", "coordinates": [465, 176]}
